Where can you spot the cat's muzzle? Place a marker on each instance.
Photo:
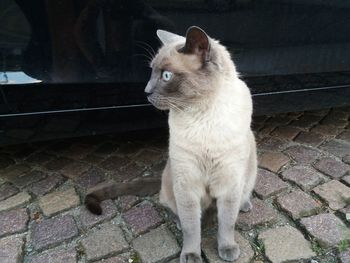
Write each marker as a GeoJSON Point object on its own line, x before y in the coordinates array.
{"type": "Point", "coordinates": [157, 102]}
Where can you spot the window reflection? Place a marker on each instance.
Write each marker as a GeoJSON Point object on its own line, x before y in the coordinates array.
{"type": "Point", "coordinates": [16, 77]}
{"type": "Point", "coordinates": [111, 41]}
{"type": "Point", "coordinates": [82, 40]}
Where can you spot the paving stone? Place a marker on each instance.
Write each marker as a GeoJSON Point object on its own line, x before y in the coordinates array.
{"type": "Point", "coordinates": [148, 157]}
{"type": "Point", "coordinates": [332, 167]}
{"type": "Point", "coordinates": [142, 218]}
{"type": "Point", "coordinates": [75, 169]}
{"type": "Point", "coordinates": [58, 255]}
{"type": "Point", "coordinates": [88, 219]}
{"type": "Point", "coordinates": [344, 256]}
{"type": "Point", "coordinates": [336, 194]}
{"type": "Point", "coordinates": [272, 144]}
{"type": "Point", "coordinates": [305, 177]}
{"type": "Point", "coordinates": [327, 130]}
{"type": "Point", "coordinates": [118, 259]}
{"type": "Point", "coordinates": [273, 161]}
{"type": "Point", "coordinates": [52, 231]}
{"type": "Point", "coordinates": [260, 214]}
{"type": "Point", "coordinates": [316, 112]}
{"type": "Point", "coordinates": [78, 151]}
{"type": "Point", "coordinates": [11, 249]}
{"type": "Point", "coordinates": [5, 161]}
{"type": "Point", "coordinates": [302, 154]}
{"type": "Point", "coordinates": [280, 119]}
{"type": "Point", "coordinates": [286, 132]}
{"type": "Point", "coordinates": [306, 121]}
{"type": "Point", "coordinates": [340, 113]}
{"type": "Point", "coordinates": [58, 201]}
{"type": "Point", "coordinates": [7, 190]}
{"type": "Point", "coordinates": [93, 159]}
{"type": "Point", "coordinates": [128, 173]}
{"type": "Point", "coordinates": [129, 148]}
{"type": "Point", "coordinates": [39, 158]}
{"type": "Point", "coordinates": [13, 221]}
{"type": "Point", "coordinates": [28, 178]}
{"type": "Point", "coordinates": [346, 179]}
{"type": "Point", "coordinates": [14, 171]}
{"type": "Point", "coordinates": [284, 244]}
{"type": "Point", "coordinates": [268, 184]}
{"type": "Point", "coordinates": [127, 201]}
{"type": "Point", "coordinates": [310, 138]}
{"type": "Point", "coordinates": [345, 135]}
{"type": "Point", "coordinates": [330, 120]}
{"type": "Point", "coordinates": [114, 163]}
{"type": "Point", "coordinates": [346, 159]}
{"type": "Point", "coordinates": [260, 118]}
{"type": "Point", "coordinates": [104, 241]}
{"type": "Point", "coordinates": [209, 247]}
{"type": "Point", "coordinates": [158, 245]}
{"type": "Point", "coordinates": [46, 185]}
{"type": "Point", "coordinates": [15, 200]}
{"type": "Point", "coordinates": [266, 130]}
{"type": "Point", "coordinates": [346, 212]}
{"type": "Point", "coordinates": [327, 229]}
{"type": "Point", "coordinates": [337, 147]}
{"type": "Point", "coordinates": [298, 204]}
{"type": "Point", "coordinates": [90, 178]}
{"type": "Point", "coordinates": [58, 163]}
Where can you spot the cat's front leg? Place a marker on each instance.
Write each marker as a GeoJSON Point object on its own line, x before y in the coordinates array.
{"type": "Point", "coordinates": [228, 208]}
{"type": "Point", "coordinates": [189, 212]}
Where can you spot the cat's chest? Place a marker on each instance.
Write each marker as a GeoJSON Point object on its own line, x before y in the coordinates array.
{"type": "Point", "coordinates": [208, 138]}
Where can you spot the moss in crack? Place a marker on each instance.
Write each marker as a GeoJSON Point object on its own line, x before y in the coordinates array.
{"type": "Point", "coordinates": [135, 258]}
{"type": "Point", "coordinates": [343, 245]}
{"type": "Point", "coordinates": [346, 200]}
{"type": "Point", "coordinates": [259, 248]}
{"type": "Point", "coordinates": [80, 251]}
{"type": "Point", "coordinates": [317, 248]}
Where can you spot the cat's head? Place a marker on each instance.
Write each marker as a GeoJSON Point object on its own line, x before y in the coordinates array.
{"type": "Point", "coordinates": [185, 69]}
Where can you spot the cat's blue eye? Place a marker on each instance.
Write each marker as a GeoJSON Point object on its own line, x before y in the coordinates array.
{"type": "Point", "coordinates": [167, 75]}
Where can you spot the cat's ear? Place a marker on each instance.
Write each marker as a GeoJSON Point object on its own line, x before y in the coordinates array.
{"type": "Point", "coordinates": [168, 37]}
{"type": "Point", "coordinates": [197, 42]}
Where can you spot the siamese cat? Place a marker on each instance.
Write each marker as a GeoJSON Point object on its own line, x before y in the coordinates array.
{"type": "Point", "coordinates": [212, 151]}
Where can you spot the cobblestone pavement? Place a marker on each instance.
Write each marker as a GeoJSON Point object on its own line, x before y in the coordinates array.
{"type": "Point", "coordinates": [301, 199]}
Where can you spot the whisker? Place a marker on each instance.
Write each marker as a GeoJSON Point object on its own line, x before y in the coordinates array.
{"type": "Point", "coordinates": [151, 54]}
{"type": "Point", "coordinates": [143, 55]}
{"type": "Point", "coordinates": [148, 45]}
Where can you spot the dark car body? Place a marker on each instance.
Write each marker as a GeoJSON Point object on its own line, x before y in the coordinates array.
{"type": "Point", "coordinates": [78, 67]}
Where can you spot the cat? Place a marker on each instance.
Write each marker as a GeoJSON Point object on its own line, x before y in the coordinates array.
{"type": "Point", "coordinates": [212, 150]}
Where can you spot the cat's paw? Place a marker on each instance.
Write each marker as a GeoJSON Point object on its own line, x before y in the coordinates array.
{"type": "Point", "coordinates": [229, 253]}
{"type": "Point", "coordinates": [190, 258]}
{"type": "Point", "coordinates": [246, 206]}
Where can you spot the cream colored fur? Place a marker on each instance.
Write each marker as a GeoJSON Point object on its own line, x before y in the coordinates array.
{"type": "Point", "coordinates": [212, 156]}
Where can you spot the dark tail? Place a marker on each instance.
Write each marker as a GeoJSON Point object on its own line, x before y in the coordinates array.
{"type": "Point", "coordinates": [110, 190]}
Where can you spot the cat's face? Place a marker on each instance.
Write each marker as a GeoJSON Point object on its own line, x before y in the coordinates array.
{"type": "Point", "coordinates": [178, 70]}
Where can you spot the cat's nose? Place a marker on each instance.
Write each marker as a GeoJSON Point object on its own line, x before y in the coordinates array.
{"type": "Point", "coordinates": [149, 88]}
